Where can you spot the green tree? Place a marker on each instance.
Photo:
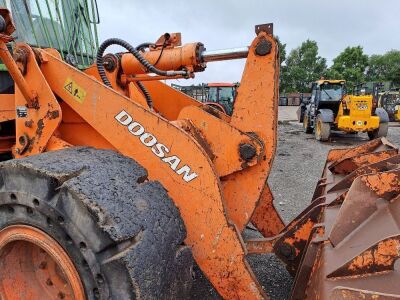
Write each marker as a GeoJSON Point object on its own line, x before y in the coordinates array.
{"type": "Point", "coordinates": [385, 67]}
{"type": "Point", "coordinates": [351, 65]}
{"type": "Point", "coordinates": [282, 50]}
{"type": "Point", "coordinates": [282, 58]}
{"type": "Point", "coordinates": [302, 66]}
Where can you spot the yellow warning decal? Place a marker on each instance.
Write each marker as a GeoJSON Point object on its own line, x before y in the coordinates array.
{"type": "Point", "coordinates": [75, 90]}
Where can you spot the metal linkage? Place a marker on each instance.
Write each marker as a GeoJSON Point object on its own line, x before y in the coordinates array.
{"type": "Point", "coordinates": [225, 54]}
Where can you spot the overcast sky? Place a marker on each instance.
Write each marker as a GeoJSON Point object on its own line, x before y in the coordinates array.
{"type": "Point", "coordinates": [375, 25]}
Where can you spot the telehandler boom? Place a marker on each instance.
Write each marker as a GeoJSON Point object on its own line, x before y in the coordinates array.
{"type": "Point", "coordinates": [117, 181]}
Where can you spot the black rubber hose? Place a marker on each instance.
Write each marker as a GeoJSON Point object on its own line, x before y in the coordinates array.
{"type": "Point", "coordinates": [149, 67]}
{"type": "Point", "coordinates": [138, 56]}
{"type": "Point", "coordinates": [146, 94]}
{"type": "Point", "coordinates": [140, 85]}
{"type": "Point", "coordinates": [144, 45]}
{"type": "Point", "coordinates": [102, 72]}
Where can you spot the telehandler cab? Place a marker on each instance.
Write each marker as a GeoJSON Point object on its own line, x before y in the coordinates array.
{"type": "Point", "coordinates": [113, 182]}
{"type": "Point", "coordinates": [331, 108]}
{"type": "Point", "coordinates": [390, 102]}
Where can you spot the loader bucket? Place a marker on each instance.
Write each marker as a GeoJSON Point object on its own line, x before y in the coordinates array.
{"type": "Point", "coordinates": [350, 248]}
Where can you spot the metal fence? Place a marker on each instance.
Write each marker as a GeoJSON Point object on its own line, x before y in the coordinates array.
{"type": "Point", "coordinates": [293, 99]}
{"type": "Point", "coordinates": [199, 92]}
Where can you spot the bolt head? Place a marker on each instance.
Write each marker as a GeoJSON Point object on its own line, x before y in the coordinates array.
{"type": "Point", "coordinates": [263, 47]}
{"type": "Point", "coordinates": [22, 140]}
{"type": "Point", "coordinates": [287, 251]}
{"type": "Point", "coordinates": [247, 151]}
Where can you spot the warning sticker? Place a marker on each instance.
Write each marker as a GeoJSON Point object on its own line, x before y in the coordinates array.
{"type": "Point", "coordinates": [75, 90]}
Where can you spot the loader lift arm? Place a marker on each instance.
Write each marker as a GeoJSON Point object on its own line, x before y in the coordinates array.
{"type": "Point", "coordinates": [214, 167]}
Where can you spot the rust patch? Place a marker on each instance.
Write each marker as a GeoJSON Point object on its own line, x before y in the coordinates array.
{"type": "Point", "coordinates": [348, 165]}
{"type": "Point", "coordinates": [378, 258]}
{"type": "Point", "coordinates": [337, 156]}
{"type": "Point", "coordinates": [300, 237]}
{"type": "Point", "coordinates": [361, 200]}
{"type": "Point", "coordinates": [29, 123]}
{"type": "Point", "coordinates": [39, 129]}
{"type": "Point", "coordinates": [385, 184]}
{"type": "Point", "coordinates": [294, 240]}
{"type": "Point", "coordinates": [51, 115]}
{"type": "Point", "coordinates": [386, 165]}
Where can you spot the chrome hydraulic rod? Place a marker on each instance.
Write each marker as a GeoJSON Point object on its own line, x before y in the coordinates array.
{"type": "Point", "coordinates": [225, 54]}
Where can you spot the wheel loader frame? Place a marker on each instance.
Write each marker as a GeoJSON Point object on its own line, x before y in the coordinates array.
{"type": "Point", "coordinates": [214, 167]}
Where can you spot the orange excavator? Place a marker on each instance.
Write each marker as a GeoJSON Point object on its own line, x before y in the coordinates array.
{"type": "Point", "coordinates": [112, 182]}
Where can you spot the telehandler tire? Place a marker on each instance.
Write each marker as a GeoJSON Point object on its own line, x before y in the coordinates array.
{"type": "Point", "coordinates": [85, 223]}
{"type": "Point", "coordinates": [306, 124]}
{"type": "Point", "coordinates": [382, 131]}
{"type": "Point", "coordinates": [322, 129]}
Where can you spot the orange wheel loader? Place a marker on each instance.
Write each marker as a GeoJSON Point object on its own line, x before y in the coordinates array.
{"type": "Point", "coordinates": [113, 183]}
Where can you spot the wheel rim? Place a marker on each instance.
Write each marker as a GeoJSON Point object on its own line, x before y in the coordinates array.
{"type": "Point", "coordinates": [35, 266]}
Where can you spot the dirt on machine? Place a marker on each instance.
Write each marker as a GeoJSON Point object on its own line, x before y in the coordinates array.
{"type": "Point", "coordinates": [332, 108]}
{"type": "Point", "coordinates": [113, 184]}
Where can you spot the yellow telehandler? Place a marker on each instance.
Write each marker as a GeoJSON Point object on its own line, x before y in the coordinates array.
{"type": "Point", "coordinates": [331, 108]}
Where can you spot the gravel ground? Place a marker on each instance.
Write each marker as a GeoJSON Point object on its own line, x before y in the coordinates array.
{"type": "Point", "coordinates": [297, 167]}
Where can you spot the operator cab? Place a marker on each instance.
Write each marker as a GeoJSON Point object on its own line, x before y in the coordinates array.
{"type": "Point", "coordinates": [68, 26]}
{"type": "Point", "coordinates": [223, 94]}
{"type": "Point", "coordinates": [328, 94]}
{"type": "Point", "coordinates": [390, 101]}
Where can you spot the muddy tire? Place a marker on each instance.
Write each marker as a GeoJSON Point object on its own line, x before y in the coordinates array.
{"type": "Point", "coordinates": [306, 124]}
{"type": "Point", "coordinates": [382, 131]}
{"type": "Point", "coordinates": [322, 129]}
{"type": "Point", "coordinates": [300, 114]}
{"type": "Point", "coordinates": [122, 232]}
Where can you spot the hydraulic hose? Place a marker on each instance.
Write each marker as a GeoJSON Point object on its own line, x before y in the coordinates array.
{"type": "Point", "coordinates": [136, 53]}
{"type": "Point", "coordinates": [144, 45]}
{"type": "Point", "coordinates": [145, 93]}
{"type": "Point", "coordinates": [149, 67]}
{"type": "Point", "coordinates": [140, 85]}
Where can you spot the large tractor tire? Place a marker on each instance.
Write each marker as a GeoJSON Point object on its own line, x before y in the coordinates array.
{"type": "Point", "coordinates": [85, 223]}
{"type": "Point", "coordinates": [382, 131]}
{"type": "Point", "coordinates": [300, 113]}
{"type": "Point", "coordinates": [322, 129]}
{"type": "Point", "coordinates": [306, 124]}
